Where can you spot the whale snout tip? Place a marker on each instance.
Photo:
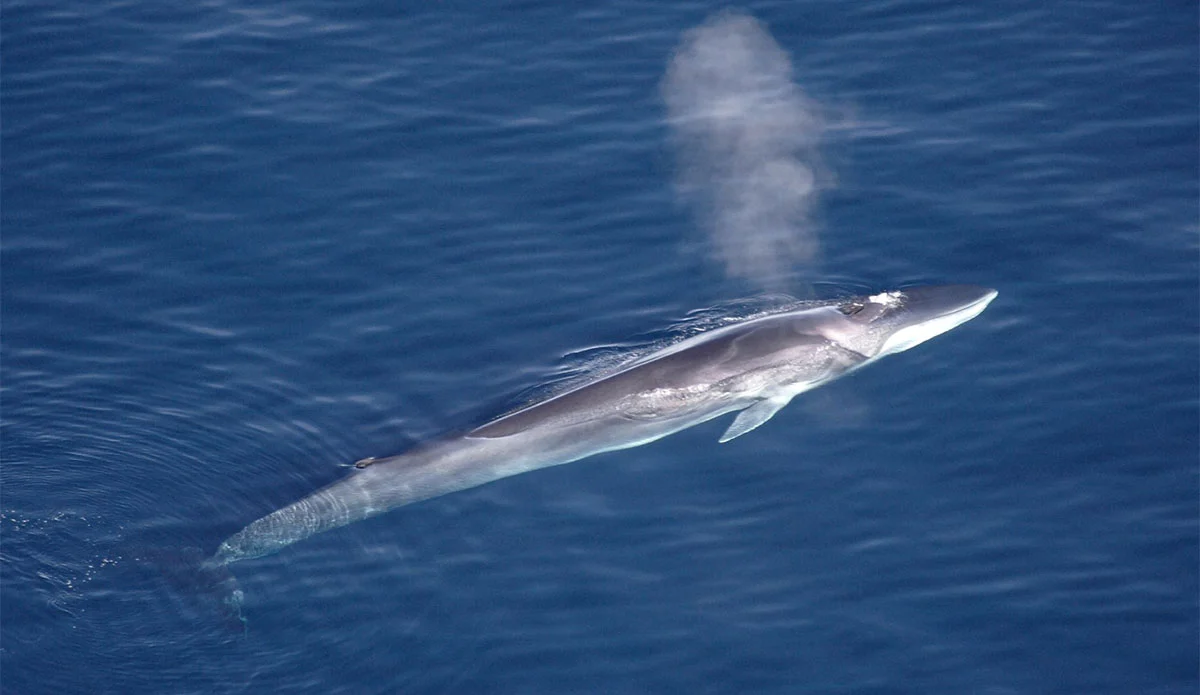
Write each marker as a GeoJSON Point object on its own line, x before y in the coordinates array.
{"type": "Point", "coordinates": [935, 300]}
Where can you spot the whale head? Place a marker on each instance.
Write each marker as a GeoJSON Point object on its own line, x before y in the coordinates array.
{"type": "Point", "coordinates": [890, 322]}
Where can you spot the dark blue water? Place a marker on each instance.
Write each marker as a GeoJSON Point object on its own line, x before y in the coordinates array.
{"type": "Point", "coordinates": [245, 244]}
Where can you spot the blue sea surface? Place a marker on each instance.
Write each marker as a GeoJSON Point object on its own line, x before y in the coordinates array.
{"type": "Point", "coordinates": [245, 244]}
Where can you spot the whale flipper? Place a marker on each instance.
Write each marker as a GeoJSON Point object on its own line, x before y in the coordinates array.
{"type": "Point", "coordinates": [752, 417]}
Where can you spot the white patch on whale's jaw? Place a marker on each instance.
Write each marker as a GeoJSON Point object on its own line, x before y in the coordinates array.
{"type": "Point", "coordinates": [911, 336]}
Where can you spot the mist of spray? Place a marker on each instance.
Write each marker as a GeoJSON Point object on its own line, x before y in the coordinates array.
{"type": "Point", "coordinates": [746, 139]}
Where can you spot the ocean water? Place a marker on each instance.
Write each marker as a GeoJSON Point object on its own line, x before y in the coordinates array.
{"type": "Point", "coordinates": [244, 244]}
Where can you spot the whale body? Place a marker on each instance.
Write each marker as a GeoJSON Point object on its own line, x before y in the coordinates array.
{"type": "Point", "coordinates": [754, 368]}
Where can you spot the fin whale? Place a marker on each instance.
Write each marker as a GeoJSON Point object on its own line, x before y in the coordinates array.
{"type": "Point", "coordinates": [754, 367]}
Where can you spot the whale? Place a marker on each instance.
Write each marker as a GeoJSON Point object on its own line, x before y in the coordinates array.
{"type": "Point", "coordinates": [752, 368]}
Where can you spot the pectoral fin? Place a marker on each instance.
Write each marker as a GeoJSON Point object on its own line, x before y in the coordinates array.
{"type": "Point", "coordinates": [752, 417]}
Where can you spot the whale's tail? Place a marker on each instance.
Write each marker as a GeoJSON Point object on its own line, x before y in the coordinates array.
{"type": "Point", "coordinates": [348, 500]}
{"type": "Point", "coordinates": [210, 583]}
{"type": "Point", "coordinates": [226, 590]}
{"type": "Point", "coordinates": [374, 487]}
